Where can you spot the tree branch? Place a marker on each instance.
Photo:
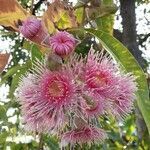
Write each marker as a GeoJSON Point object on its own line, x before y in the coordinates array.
{"type": "Point", "coordinates": [118, 35]}
{"type": "Point", "coordinates": [36, 6]}
{"type": "Point", "coordinates": [142, 40]}
{"type": "Point", "coordinates": [31, 9]}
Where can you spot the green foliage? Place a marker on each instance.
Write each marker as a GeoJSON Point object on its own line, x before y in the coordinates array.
{"type": "Point", "coordinates": [105, 23]}
{"type": "Point", "coordinates": [2, 113]}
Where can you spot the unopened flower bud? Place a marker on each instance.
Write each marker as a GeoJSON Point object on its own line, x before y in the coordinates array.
{"type": "Point", "coordinates": [62, 43]}
{"type": "Point", "coordinates": [33, 30]}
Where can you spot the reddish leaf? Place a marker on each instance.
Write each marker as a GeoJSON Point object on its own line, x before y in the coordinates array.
{"type": "Point", "coordinates": [10, 12]}
{"type": "Point", "coordinates": [3, 61]}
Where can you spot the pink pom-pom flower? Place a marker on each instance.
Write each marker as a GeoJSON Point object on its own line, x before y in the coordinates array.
{"type": "Point", "coordinates": [123, 103]}
{"type": "Point", "coordinates": [33, 30]}
{"type": "Point", "coordinates": [85, 134]}
{"type": "Point", "coordinates": [45, 97]}
{"type": "Point", "coordinates": [62, 43]}
{"type": "Point", "coordinates": [99, 78]}
{"type": "Point", "coordinates": [100, 75]}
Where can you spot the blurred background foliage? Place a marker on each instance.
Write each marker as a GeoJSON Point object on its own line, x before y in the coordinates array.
{"type": "Point", "coordinates": [130, 134]}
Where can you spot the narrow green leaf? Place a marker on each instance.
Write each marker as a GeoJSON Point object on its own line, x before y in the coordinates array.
{"type": "Point", "coordinates": [9, 73]}
{"type": "Point", "coordinates": [15, 81]}
{"type": "Point", "coordinates": [3, 137]}
{"type": "Point", "coordinates": [16, 78]}
{"type": "Point", "coordinates": [12, 71]}
{"type": "Point", "coordinates": [122, 54]}
{"type": "Point", "coordinates": [2, 113]}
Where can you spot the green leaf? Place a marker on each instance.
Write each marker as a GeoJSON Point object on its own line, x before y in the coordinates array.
{"type": "Point", "coordinates": [14, 70]}
{"type": "Point", "coordinates": [2, 113]}
{"type": "Point", "coordinates": [9, 73]}
{"type": "Point", "coordinates": [79, 14]}
{"type": "Point", "coordinates": [27, 45]}
{"type": "Point", "coordinates": [16, 77]}
{"type": "Point", "coordinates": [36, 53]}
{"type": "Point", "coordinates": [106, 23]}
{"type": "Point", "coordinates": [122, 55]}
{"type": "Point", "coordinates": [3, 137]}
{"type": "Point", "coordinates": [15, 81]}
{"type": "Point", "coordinates": [52, 142]}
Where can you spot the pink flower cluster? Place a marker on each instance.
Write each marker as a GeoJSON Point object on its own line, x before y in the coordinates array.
{"type": "Point", "coordinates": [68, 102]}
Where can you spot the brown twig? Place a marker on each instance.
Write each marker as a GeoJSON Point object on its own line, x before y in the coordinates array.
{"type": "Point", "coordinates": [31, 9]}
{"type": "Point", "coordinates": [142, 40]}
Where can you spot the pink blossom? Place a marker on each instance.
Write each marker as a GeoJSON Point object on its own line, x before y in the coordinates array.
{"type": "Point", "coordinates": [99, 78]}
{"type": "Point", "coordinates": [123, 104]}
{"type": "Point", "coordinates": [83, 135]}
{"type": "Point", "coordinates": [45, 96]}
{"type": "Point", "coordinates": [62, 43]}
{"type": "Point", "coordinates": [68, 99]}
{"type": "Point", "coordinates": [100, 75]}
{"type": "Point", "coordinates": [33, 30]}
{"type": "Point", "coordinates": [94, 106]}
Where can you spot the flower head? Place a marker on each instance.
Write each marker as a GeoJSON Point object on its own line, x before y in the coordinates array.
{"type": "Point", "coordinates": [84, 135]}
{"type": "Point", "coordinates": [33, 30]}
{"type": "Point", "coordinates": [94, 106]}
{"type": "Point", "coordinates": [99, 79]}
{"type": "Point", "coordinates": [123, 103]}
{"type": "Point", "coordinates": [100, 74]}
{"type": "Point", "coordinates": [30, 27]}
{"type": "Point", "coordinates": [62, 43]}
{"type": "Point", "coordinates": [45, 96]}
